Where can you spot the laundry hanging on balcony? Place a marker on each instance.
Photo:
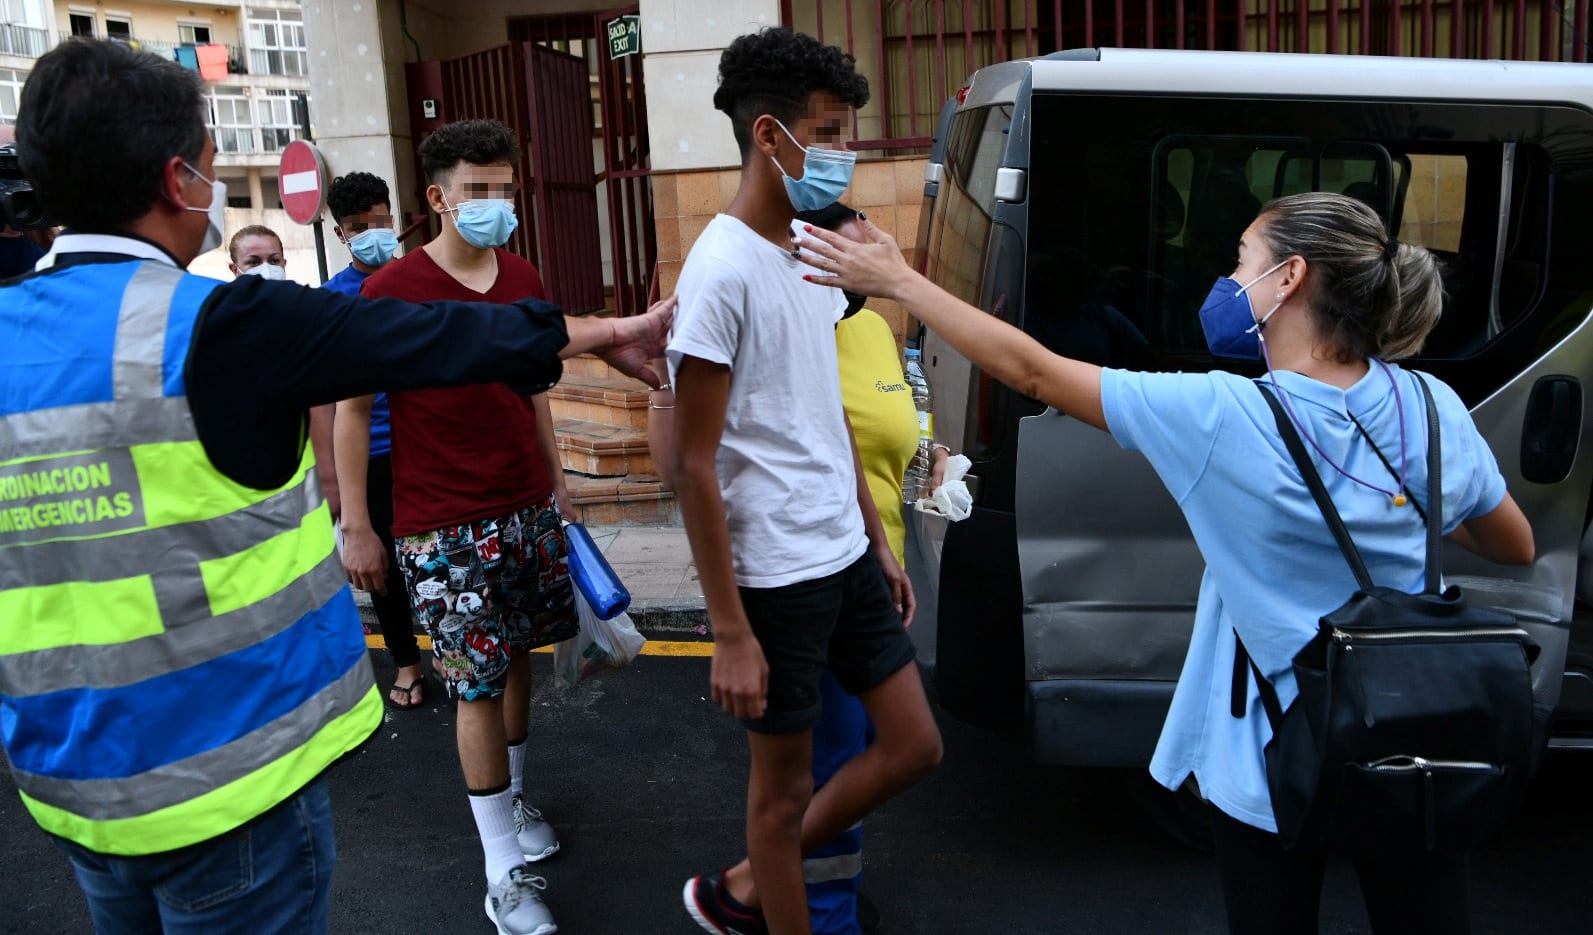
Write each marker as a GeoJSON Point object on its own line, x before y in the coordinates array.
{"type": "Point", "coordinates": [187, 57]}
{"type": "Point", "coordinates": [212, 62]}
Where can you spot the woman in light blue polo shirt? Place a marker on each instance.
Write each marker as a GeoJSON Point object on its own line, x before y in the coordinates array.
{"type": "Point", "coordinates": [1328, 299]}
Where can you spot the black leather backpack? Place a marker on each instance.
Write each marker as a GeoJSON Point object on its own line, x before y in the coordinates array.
{"type": "Point", "coordinates": [1414, 727]}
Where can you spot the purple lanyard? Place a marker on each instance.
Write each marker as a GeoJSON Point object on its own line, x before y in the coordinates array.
{"type": "Point", "coordinates": [1397, 497]}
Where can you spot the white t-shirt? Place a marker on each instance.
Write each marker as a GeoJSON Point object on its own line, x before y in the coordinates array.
{"type": "Point", "coordinates": [785, 459]}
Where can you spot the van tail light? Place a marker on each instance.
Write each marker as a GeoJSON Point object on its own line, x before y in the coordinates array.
{"type": "Point", "coordinates": [962, 94]}
{"type": "Point", "coordinates": [985, 416]}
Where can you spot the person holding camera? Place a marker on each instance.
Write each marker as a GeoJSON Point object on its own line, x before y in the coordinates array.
{"type": "Point", "coordinates": [166, 552]}
{"type": "Point", "coordinates": [17, 252]}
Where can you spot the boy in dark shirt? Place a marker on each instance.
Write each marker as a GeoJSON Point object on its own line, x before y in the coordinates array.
{"type": "Point", "coordinates": [476, 494]}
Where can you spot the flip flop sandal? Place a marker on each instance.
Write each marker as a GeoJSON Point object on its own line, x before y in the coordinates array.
{"type": "Point", "coordinates": [409, 691]}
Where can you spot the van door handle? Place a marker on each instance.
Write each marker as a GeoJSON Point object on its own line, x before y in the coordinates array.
{"type": "Point", "coordinates": [1551, 430]}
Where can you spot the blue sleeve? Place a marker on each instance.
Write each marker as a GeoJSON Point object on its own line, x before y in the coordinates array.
{"type": "Point", "coordinates": [1171, 418]}
{"type": "Point", "coordinates": [264, 352]}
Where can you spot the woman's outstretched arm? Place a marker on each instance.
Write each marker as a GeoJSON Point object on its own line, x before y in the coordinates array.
{"type": "Point", "coordinates": [1014, 358]}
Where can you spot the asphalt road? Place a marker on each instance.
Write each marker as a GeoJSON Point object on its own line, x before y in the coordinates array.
{"type": "Point", "coordinates": [643, 779]}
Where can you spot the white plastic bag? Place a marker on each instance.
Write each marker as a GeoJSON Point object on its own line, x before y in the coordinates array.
{"type": "Point", "coordinates": [951, 499]}
{"type": "Point", "coordinates": [597, 644]}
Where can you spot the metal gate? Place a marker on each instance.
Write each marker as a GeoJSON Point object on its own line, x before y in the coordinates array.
{"type": "Point", "coordinates": [626, 173]}
{"type": "Point", "coordinates": [545, 98]}
{"type": "Point", "coordinates": [560, 101]}
{"type": "Point", "coordinates": [624, 169]}
{"type": "Point", "coordinates": [482, 85]}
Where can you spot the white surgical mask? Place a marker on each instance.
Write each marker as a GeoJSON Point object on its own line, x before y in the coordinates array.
{"type": "Point", "coordinates": [216, 212]}
{"type": "Point", "coordinates": [268, 271]}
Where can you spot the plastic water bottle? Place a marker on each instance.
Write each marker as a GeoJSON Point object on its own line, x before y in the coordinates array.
{"type": "Point", "coordinates": [915, 484]}
{"type": "Point", "coordinates": [593, 575]}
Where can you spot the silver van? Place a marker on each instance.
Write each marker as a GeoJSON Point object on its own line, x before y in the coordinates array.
{"type": "Point", "coordinates": [1091, 198]}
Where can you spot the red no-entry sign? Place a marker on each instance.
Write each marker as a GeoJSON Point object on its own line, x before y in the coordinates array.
{"type": "Point", "coordinates": [302, 179]}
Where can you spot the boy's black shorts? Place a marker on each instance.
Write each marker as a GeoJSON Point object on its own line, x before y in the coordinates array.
{"type": "Point", "coordinates": [845, 622]}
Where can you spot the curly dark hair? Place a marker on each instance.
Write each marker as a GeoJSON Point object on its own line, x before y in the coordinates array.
{"type": "Point", "coordinates": [478, 142]}
{"type": "Point", "coordinates": [774, 71]}
{"type": "Point", "coordinates": [356, 193]}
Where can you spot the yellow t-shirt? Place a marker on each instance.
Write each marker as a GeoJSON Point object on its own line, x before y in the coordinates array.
{"type": "Point", "coordinates": [880, 406]}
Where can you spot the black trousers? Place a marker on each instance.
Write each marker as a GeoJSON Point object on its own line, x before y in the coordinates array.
{"type": "Point", "coordinates": [1272, 891]}
{"type": "Point", "coordinates": [392, 609]}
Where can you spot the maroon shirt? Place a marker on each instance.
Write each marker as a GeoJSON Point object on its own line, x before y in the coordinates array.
{"type": "Point", "coordinates": [462, 453]}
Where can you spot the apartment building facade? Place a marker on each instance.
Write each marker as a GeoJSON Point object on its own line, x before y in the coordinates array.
{"type": "Point", "coordinates": [254, 61]}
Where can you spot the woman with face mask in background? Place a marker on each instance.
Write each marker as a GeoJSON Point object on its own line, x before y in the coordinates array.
{"type": "Point", "coordinates": [257, 251]}
{"type": "Point", "coordinates": [1328, 300]}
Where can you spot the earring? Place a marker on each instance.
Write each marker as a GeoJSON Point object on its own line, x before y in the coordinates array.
{"type": "Point", "coordinates": [1278, 296]}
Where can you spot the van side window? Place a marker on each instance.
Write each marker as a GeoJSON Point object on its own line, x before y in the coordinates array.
{"type": "Point", "coordinates": [1130, 226]}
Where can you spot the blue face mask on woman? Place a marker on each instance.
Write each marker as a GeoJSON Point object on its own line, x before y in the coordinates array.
{"type": "Point", "coordinates": [1229, 320]}
{"type": "Point", "coordinates": [485, 224]}
{"type": "Point", "coordinates": [826, 173]}
{"type": "Point", "coordinates": [373, 247]}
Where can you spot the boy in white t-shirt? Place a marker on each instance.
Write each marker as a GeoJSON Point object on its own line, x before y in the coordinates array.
{"type": "Point", "coordinates": [794, 562]}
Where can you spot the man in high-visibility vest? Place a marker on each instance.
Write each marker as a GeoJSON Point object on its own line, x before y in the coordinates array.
{"type": "Point", "coordinates": [180, 657]}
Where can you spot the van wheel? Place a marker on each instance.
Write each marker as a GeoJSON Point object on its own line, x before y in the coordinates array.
{"type": "Point", "coordinates": [1181, 815]}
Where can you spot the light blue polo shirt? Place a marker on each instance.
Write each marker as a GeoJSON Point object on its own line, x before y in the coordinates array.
{"type": "Point", "coordinates": [1272, 568]}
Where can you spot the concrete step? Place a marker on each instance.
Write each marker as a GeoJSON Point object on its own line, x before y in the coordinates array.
{"type": "Point", "coordinates": [603, 399]}
{"type": "Point", "coordinates": [638, 499]}
{"type": "Point", "coordinates": [601, 450]}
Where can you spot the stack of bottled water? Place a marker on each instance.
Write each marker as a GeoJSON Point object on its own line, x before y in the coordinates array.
{"type": "Point", "coordinates": [915, 484]}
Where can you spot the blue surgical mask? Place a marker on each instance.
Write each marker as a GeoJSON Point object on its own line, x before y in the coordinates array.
{"type": "Point", "coordinates": [485, 224]}
{"type": "Point", "coordinates": [1229, 320]}
{"type": "Point", "coordinates": [826, 173]}
{"type": "Point", "coordinates": [373, 247]}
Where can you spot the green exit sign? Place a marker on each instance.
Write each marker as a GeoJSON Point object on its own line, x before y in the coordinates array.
{"type": "Point", "coordinates": [624, 36]}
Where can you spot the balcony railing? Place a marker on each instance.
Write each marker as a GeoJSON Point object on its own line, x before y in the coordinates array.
{"type": "Point", "coordinates": [239, 141]}
{"type": "Point", "coordinates": [168, 50]}
{"type": "Point", "coordinates": [26, 41]}
{"type": "Point", "coordinates": [247, 141]}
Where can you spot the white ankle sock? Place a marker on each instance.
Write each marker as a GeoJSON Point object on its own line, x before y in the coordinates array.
{"type": "Point", "coordinates": [517, 766]}
{"type": "Point", "coordinates": [495, 823]}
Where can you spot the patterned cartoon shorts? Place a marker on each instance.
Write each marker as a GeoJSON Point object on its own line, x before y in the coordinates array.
{"type": "Point", "coordinates": [487, 588]}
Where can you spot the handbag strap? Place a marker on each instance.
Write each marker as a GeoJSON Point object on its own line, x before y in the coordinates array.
{"type": "Point", "coordinates": [1313, 482]}
{"type": "Point", "coordinates": [1435, 494]}
{"type": "Point", "coordinates": [1243, 665]}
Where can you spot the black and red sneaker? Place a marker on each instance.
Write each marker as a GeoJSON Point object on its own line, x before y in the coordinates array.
{"type": "Point", "coordinates": [716, 911]}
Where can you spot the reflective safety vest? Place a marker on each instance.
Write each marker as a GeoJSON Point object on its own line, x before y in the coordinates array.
{"type": "Point", "coordinates": [178, 652]}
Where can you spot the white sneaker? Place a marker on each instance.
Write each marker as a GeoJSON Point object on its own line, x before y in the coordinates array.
{"type": "Point", "coordinates": [536, 837]}
{"type": "Point", "coordinates": [514, 904]}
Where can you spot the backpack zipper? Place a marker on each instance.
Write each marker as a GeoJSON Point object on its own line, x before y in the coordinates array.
{"type": "Point", "coordinates": [1346, 638]}
{"type": "Point", "coordinates": [1405, 763]}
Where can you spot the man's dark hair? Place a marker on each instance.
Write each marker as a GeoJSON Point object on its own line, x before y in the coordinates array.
{"type": "Point", "coordinates": [830, 217]}
{"type": "Point", "coordinates": [774, 71]}
{"type": "Point", "coordinates": [355, 193]}
{"type": "Point", "coordinates": [97, 123]}
{"type": "Point", "coordinates": [478, 142]}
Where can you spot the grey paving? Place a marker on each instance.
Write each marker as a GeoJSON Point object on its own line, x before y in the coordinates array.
{"type": "Point", "coordinates": [645, 782]}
